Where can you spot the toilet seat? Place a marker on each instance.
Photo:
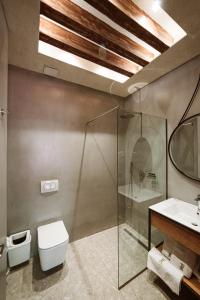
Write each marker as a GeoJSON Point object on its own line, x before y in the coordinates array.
{"type": "Point", "coordinates": [51, 235]}
{"type": "Point", "coordinates": [53, 240]}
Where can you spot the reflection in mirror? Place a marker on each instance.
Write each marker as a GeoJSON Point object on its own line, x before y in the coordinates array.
{"type": "Point", "coordinates": [184, 147]}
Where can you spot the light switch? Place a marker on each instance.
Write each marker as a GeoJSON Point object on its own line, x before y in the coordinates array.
{"type": "Point", "coordinates": [48, 186]}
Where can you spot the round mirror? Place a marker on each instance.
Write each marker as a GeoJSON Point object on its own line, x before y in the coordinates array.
{"type": "Point", "coordinates": [184, 147]}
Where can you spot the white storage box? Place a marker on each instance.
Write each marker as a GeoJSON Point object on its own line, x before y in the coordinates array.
{"type": "Point", "coordinates": [19, 246]}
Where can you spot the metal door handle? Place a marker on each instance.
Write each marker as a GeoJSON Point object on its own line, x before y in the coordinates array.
{"type": "Point", "coordinates": [1, 249]}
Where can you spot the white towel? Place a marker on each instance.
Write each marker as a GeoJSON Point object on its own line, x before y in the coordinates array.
{"type": "Point", "coordinates": [160, 265]}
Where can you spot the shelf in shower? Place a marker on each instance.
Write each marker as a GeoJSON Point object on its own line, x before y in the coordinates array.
{"type": "Point", "coordinates": [136, 195]}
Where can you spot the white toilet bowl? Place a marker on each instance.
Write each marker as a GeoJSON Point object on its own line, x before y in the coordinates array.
{"type": "Point", "coordinates": [52, 244]}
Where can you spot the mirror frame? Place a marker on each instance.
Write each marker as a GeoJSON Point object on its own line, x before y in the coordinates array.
{"type": "Point", "coordinates": [169, 148]}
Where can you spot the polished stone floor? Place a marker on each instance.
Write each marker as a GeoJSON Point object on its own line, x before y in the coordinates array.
{"type": "Point", "coordinates": [90, 273]}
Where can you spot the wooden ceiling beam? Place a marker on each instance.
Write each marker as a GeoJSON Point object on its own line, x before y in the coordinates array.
{"type": "Point", "coordinates": [64, 39]}
{"type": "Point", "coordinates": [128, 15]}
{"type": "Point", "coordinates": [70, 15]}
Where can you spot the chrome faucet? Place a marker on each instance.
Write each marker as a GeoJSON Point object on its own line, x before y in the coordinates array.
{"type": "Point", "coordinates": [198, 204]}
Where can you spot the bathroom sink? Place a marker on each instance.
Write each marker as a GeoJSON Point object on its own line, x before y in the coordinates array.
{"type": "Point", "coordinates": [179, 211]}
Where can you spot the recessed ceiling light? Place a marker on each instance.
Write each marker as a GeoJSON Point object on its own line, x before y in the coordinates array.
{"type": "Point", "coordinates": [143, 21]}
{"type": "Point", "coordinates": [156, 5]}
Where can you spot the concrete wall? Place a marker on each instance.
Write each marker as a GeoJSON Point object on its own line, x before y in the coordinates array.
{"type": "Point", "coordinates": [3, 147]}
{"type": "Point", "coordinates": [46, 140]}
{"type": "Point", "coordinates": [168, 97]}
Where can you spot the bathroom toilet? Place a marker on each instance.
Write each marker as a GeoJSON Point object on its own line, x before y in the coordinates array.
{"type": "Point", "coordinates": [53, 239]}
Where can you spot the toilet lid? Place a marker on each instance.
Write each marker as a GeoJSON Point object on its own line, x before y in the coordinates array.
{"type": "Point", "coordinates": [51, 235]}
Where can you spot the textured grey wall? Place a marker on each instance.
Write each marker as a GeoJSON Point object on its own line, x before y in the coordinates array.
{"type": "Point", "coordinates": [46, 140]}
{"type": "Point", "coordinates": [168, 97]}
{"type": "Point", "coordinates": [3, 147]}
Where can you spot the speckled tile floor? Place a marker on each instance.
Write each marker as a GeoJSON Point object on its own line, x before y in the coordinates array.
{"type": "Point", "coordinates": [90, 273]}
{"type": "Point", "coordinates": [132, 255]}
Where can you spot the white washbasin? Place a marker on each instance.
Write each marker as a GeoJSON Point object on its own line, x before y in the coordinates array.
{"type": "Point", "coordinates": [179, 211]}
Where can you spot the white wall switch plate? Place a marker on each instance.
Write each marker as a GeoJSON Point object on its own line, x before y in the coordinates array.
{"type": "Point", "coordinates": [48, 186]}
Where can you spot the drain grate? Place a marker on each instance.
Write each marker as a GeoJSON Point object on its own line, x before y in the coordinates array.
{"type": "Point", "coordinates": [136, 239]}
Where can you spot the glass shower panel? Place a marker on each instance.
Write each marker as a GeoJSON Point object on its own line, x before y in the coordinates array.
{"type": "Point", "coordinates": [141, 183]}
{"type": "Point", "coordinates": [96, 201]}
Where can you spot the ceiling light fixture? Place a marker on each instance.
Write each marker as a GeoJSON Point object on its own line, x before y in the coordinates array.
{"type": "Point", "coordinates": [156, 5]}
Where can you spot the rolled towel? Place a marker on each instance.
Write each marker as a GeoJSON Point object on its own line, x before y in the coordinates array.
{"type": "Point", "coordinates": [162, 267]}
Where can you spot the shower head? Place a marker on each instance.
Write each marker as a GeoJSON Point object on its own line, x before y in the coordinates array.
{"type": "Point", "coordinates": [127, 116]}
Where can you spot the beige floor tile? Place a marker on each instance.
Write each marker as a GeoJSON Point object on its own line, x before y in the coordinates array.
{"type": "Point", "coordinates": [90, 273]}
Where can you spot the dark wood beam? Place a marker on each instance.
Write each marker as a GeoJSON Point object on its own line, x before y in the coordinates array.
{"type": "Point", "coordinates": [64, 39]}
{"type": "Point", "coordinates": [126, 14]}
{"type": "Point", "coordinates": [70, 15]}
{"type": "Point", "coordinates": [136, 13]}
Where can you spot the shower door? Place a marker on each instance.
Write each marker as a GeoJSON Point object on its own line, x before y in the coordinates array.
{"type": "Point", "coordinates": [3, 150]}
{"type": "Point", "coordinates": [141, 183]}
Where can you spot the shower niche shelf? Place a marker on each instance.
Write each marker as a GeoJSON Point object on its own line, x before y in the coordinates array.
{"type": "Point", "coordinates": [138, 196]}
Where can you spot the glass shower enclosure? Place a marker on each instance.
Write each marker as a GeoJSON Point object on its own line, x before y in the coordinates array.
{"type": "Point", "coordinates": [96, 201]}
{"type": "Point", "coordinates": [142, 156]}
{"type": "Point", "coordinates": [123, 172]}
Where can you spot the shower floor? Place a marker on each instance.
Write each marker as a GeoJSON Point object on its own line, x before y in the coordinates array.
{"type": "Point", "coordinates": [90, 273]}
{"type": "Point", "coordinates": [132, 253]}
